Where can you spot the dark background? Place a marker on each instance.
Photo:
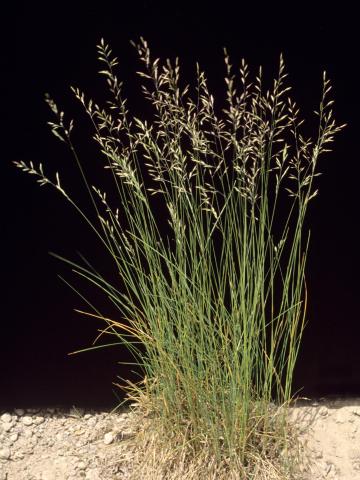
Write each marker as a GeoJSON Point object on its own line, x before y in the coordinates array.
{"type": "Point", "coordinates": [47, 48]}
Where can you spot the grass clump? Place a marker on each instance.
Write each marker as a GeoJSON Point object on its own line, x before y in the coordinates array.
{"type": "Point", "coordinates": [214, 298]}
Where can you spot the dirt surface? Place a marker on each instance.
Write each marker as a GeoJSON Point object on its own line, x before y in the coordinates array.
{"type": "Point", "coordinates": [63, 444]}
{"type": "Point", "coordinates": [329, 429]}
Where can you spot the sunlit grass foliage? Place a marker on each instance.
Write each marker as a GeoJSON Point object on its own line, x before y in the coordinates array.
{"type": "Point", "coordinates": [214, 299]}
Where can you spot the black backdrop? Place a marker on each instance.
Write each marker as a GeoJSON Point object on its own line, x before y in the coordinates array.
{"type": "Point", "coordinates": [47, 48]}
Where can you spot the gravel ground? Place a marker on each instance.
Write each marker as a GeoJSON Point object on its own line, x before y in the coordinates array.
{"type": "Point", "coordinates": [63, 444]}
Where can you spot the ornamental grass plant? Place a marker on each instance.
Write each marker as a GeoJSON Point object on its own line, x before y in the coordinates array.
{"type": "Point", "coordinates": [213, 303]}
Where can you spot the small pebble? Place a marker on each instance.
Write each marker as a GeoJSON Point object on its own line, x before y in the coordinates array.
{"type": "Point", "coordinates": [5, 453]}
{"type": "Point", "coordinates": [27, 421]}
{"type": "Point", "coordinates": [13, 437]}
{"type": "Point", "coordinates": [323, 411]}
{"type": "Point", "coordinates": [38, 420]}
{"type": "Point", "coordinates": [108, 438]}
{"type": "Point", "coordinates": [19, 412]}
{"type": "Point", "coordinates": [6, 418]}
{"type": "Point", "coordinates": [92, 421]}
{"type": "Point", "coordinates": [7, 427]}
{"type": "Point", "coordinates": [33, 410]}
{"type": "Point", "coordinates": [81, 465]}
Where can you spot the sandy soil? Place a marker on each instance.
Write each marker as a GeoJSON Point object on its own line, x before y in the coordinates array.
{"type": "Point", "coordinates": [72, 444]}
{"type": "Point", "coordinates": [329, 430]}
